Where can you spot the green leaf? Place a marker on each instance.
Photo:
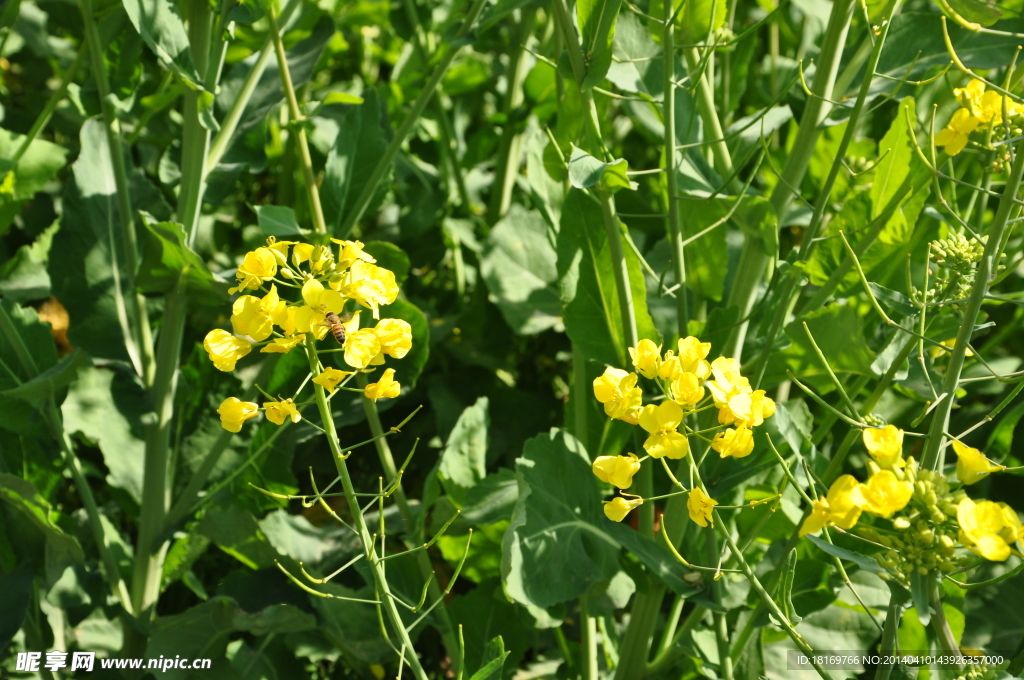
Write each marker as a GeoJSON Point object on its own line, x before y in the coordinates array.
{"type": "Point", "coordinates": [15, 598]}
{"type": "Point", "coordinates": [61, 550]}
{"type": "Point", "coordinates": [596, 20]}
{"type": "Point", "coordinates": [585, 171]}
{"type": "Point", "coordinates": [590, 302]}
{"type": "Point", "coordinates": [919, 584]}
{"type": "Point", "coordinates": [1000, 441]}
{"type": "Point", "coordinates": [707, 257]}
{"type": "Point", "coordinates": [700, 18]}
{"type": "Point", "coordinates": [19, 183]}
{"type": "Point", "coordinates": [863, 561]}
{"type": "Point", "coordinates": [838, 332]}
{"type": "Point", "coordinates": [50, 382]}
{"type": "Point", "coordinates": [756, 217]}
{"type": "Point", "coordinates": [342, 98]}
{"type": "Point", "coordinates": [107, 406]}
{"type": "Point", "coordinates": [360, 141]}
{"type": "Point", "coordinates": [520, 266]}
{"type": "Point", "coordinates": [30, 341]}
{"type": "Point", "coordinates": [277, 220]}
{"type": "Point", "coordinates": [24, 277]}
{"type": "Point", "coordinates": [984, 12]}
{"type": "Point", "coordinates": [494, 660]}
{"type": "Point", "coordinates": [391, 257]}
{"type": "Point", "coordinates": [896, 158]}
{"type": "Point", "coordinates": [485, 612]}
{"type": "Point", "coordinates": [162, 28]}
{"type": "Point", "coordinates": [168, 262]}
{"type": "Point", "coordinates": [894, 302]}
{"type": "Point", "coordinates": [492, 499]}
{"type": "Point", "coordinates": [237, 533]}
{"type": "Point", "coordinates": [464, 459]}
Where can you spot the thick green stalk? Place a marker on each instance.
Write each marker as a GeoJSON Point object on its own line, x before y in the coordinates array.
{"type": "Point", "coordinates": [195, 138]}
{"type": "Point", "coordinates": [721, 625]}
{"type": "Point", "coordinates": [297, 128]}
{"type": "Point", "coordinates": [753, 259]}
{"type": "Point", "coordinates": [889, 639]}
{"type": "Point", "coordinates": [138, 338]}
{"type": "Point", "coordinates": [361, 203]}
{"type": "Point", "coordinates": [52, 102]}
{"type": "Point", "coordinates": [373, 561]}
{"type": "Point", "coordinates": [671, 163]}
{"type": "Point", "coordinates": [722, 158]}
{"type": "Point", "coordinates": [588, 643]}
{"type": "Point", "coordinates": [510, 144]}
{"type": "Point", "coordinates": [934, 451]}
{"type": "Point", "coordinates": [220, 143]}
{"type": "Point", "coordinates": [413, 529]}
{"type": "Point", "coordinates": [824, 197]}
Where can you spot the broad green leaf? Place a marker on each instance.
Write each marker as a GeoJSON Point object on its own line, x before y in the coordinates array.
{"type": "Point", "coordinates": [700, 18]}
{"type": "Point", "coordinates": [838, 332]}
{"type": "Point", "coordinates": [160, 25]}
{"type": "Point", "coordinates": [756, 217]}
{"type": "Point", "coordinates": [596, 20]}
{"type": "Point", "coordinates": [894, 302]}
{"type": "Point", "coordinates": [320, 548]}
{"type": "Point", "coordinates": [590, 302]}
{"type": "Point", "coordinates": [360, 141]}
{"type": "Point", "coordinates": [484, 559]}
{"type": "Point", "coordinates": [1000, 440]}
{"type": "Point", "coordinates": [497, 11]}
{"type": "Point", "coordinates": [61, 550]}
{"type": "Point", "coordinates": [29, 342]}
{"type": "Point", "coordinates": [277, 220]}
{"type": "Point", "coordinates": [494, 660]}
{"type": "Point", "coordinates": [24, 276]}
{"type": "Point", "coordinates": [586, 171]}
{"type": "Point", "coordinates": [237, 533]}
{"type": "Point", "coordinates": [492, 499]}
{"type": "Point", "coordinates": [87, 265]}
{"type": "Point", "coordinates": [984, 12]}
{"type": "Point", "coordinates": [48, 384]}
{"type": "Point", "coordinates": [707, 258]}
{"type": "Point", "coordinates": [107, 406]}
{"type": "Point", "coordinates": [519, 263]}
{"type": "Point", "coordinates": [168, 263]}
{"type": "Point", "coordinates": [464, 459]}
{"type": "Point", "coordinates": [391, 257]}
{"type": "Point", "coordinates": [15, 598]}
{"type": "Point", "coordinates": [862, 561]}
{"type": "Point", "coordinates": [485, 612]}
{"type": "Point", "coordinates": [896, 158]}
{"type": "Point", "coordinates": [635, 67]}
{"type": "Point", "coordinates": [19, 183]}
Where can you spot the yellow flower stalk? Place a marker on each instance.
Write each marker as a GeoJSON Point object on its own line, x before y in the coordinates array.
{"type": "Point", "coordinates": [738, 442]}
{"type": "Point", "coordinates": [330, 377]}
{"type": "Point", "coordinates": [617, 470]}
{"type": "Point", "coordinates": [233, 412]}
{"type": "Point", "coordinates": [280, 411]}
{"type": "Point", "coordinates": [225, 349]}
{"type": "Point", "coordinates": [701, 507]}
{"type": "Point", "coordinates": [885, 444]}
{"type": "Point", "coordinates": [841, 507]}
{"type": "Point", "coordinates": [385, 388]}
{"type": "Point", "coordinates": [971, 465]}
{"type": "Point", "coordinates": [885, 494]}
{"type": "Point", "coordinates": [661, 422]}
{"type": "Point", "coordinates": [617, 508]}
{"type": "Point", "coordinates": [646, 358]}
{"type": "Point", "coordinates": [617, 390]}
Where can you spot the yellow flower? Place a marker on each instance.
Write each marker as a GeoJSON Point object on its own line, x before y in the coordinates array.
{"type": "Point", "coordinates": [885, 444]}
{"type": "Point", "coordinates": [955, 135]}
{"type": "Point", "coordinates": [617, 470]}
{"type": "Point", "coordinates": [687, 389]}
{"type": "Point", "coordinates": [280, 249]}
{"type": "Point", "coordinates": [349, 252]}
{"type": "Point", "coordinates": [225, 349]}
{"type": "Point", "coordinates": [738, 442]}
{"type": "Point", "coordinates": [369, 285]}
{"type": "Point", "coordinates": [670, 368]}
{"type": "Point", "coordinates": [311, 320]}
{"type": "Point", "coordinates": [937, 351]}
{"type": "Point", "coordinates": [971, 465]}
{"type": "Point", "coordinates": [730, 391]}
{"type": "Point", "coordinates": [330, 377]}
{"type": "Point", "coordinates": [282, 345]}
{"type": "Point", "coordinates": [701, 507]}
{"type": "Point", "coordinates": [692, 355]}
{"type": "Point", "coordinates": [304, 252]}
{"type": "Point", "coordinates": [385, 388]}
{"type": "Point", "coordinates": [617, 509]}
{"type": "Point", "coordinates": [617, 390]}
{"type": "Point", "coordinates": [233, 412]}
{"type": "Point", "coordinates": [885, 494]}
{"type": "Point", "coordinates": [986, 106]}
{"type": "Point", "coordinates": [841, 507]}
{"type": "Point", "coordinates": [362, 349]}
{"type": "Point", "coordinates": [661, 422]}
{"type": "Point", "coordinates": [280, 411]}
{"type": "Point", "coordinates": [646, 358]}
{"type": "Point", "coordinates": [745, 408]}
{"type": "Point", "coordinates": [249, 318]}
{"type": "Point", "coordinates": [257, 266]}
{"type": "Point", "coordinates": [988, 529]}
{"type": "Point", "coordinates": [395, 337]}
{"type": "Point", "coordinates": [316, 296]}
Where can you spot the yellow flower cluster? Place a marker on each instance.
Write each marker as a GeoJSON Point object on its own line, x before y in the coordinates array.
{"type": "Point", "coordinates": [884, 495]}
{"type": "Point", "coordinates": [688, 383]}
{"type": "Point", "coordinates": [988, 529]}
{"type": "Point", "coordinates": [326, 282]}
{"type": "Point", "coordinates": [979, 107]}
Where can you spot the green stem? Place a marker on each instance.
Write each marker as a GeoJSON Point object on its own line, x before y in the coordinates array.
{"type": "Point", "coordinates": [889, 639]}
{"type": "Point", "coordinates": [373, 561]}
{"type": "Point", "coordinates": [669, 652]}
{"type": "Point", "coordinates": [671, 163]}
{"type": "Point", "coordinates": [195, 138]}
{"type": "Point", "coordinates": [721, 625]}
{"type": "Point", "coordinates": [933, 456]}
{"type": "Point", "coordinates": [220, 143]}
{"type": "Point", "coordinates": [413, 528]}
{"type": "Point", "coordinates": [709, 116]}
{"type": "Point", "coordinates": [297, 126]}
{"type": "Point", "coordinates": [753, 259]}
{"type": "Point", "coordinates": [138, 339]}
{"type": "Point", "coordinates": [941, 625]}
{"type": "Point", "coordinates": [51, 104]}
{"type": "Point", "coordinates": [588, 643]}
{"type": "Point", "coordinates": [363, 201]}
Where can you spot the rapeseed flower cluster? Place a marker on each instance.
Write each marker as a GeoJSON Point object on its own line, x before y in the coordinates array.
{"type": "Point", "coordinates": [325, 283]}
{"type": "Point", "coordinates": [688, 383]}
{"type": "Point", "coordinates": [979, 108]}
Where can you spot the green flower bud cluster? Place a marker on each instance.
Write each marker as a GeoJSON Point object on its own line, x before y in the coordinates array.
{"type": "Point", "coordinates": [924, 536]}
{"type": "Point", "coordinates": [959, 256]}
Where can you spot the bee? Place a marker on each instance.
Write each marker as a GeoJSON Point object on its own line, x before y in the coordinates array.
{"type": "Point", "coordinates": [337, 325]}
